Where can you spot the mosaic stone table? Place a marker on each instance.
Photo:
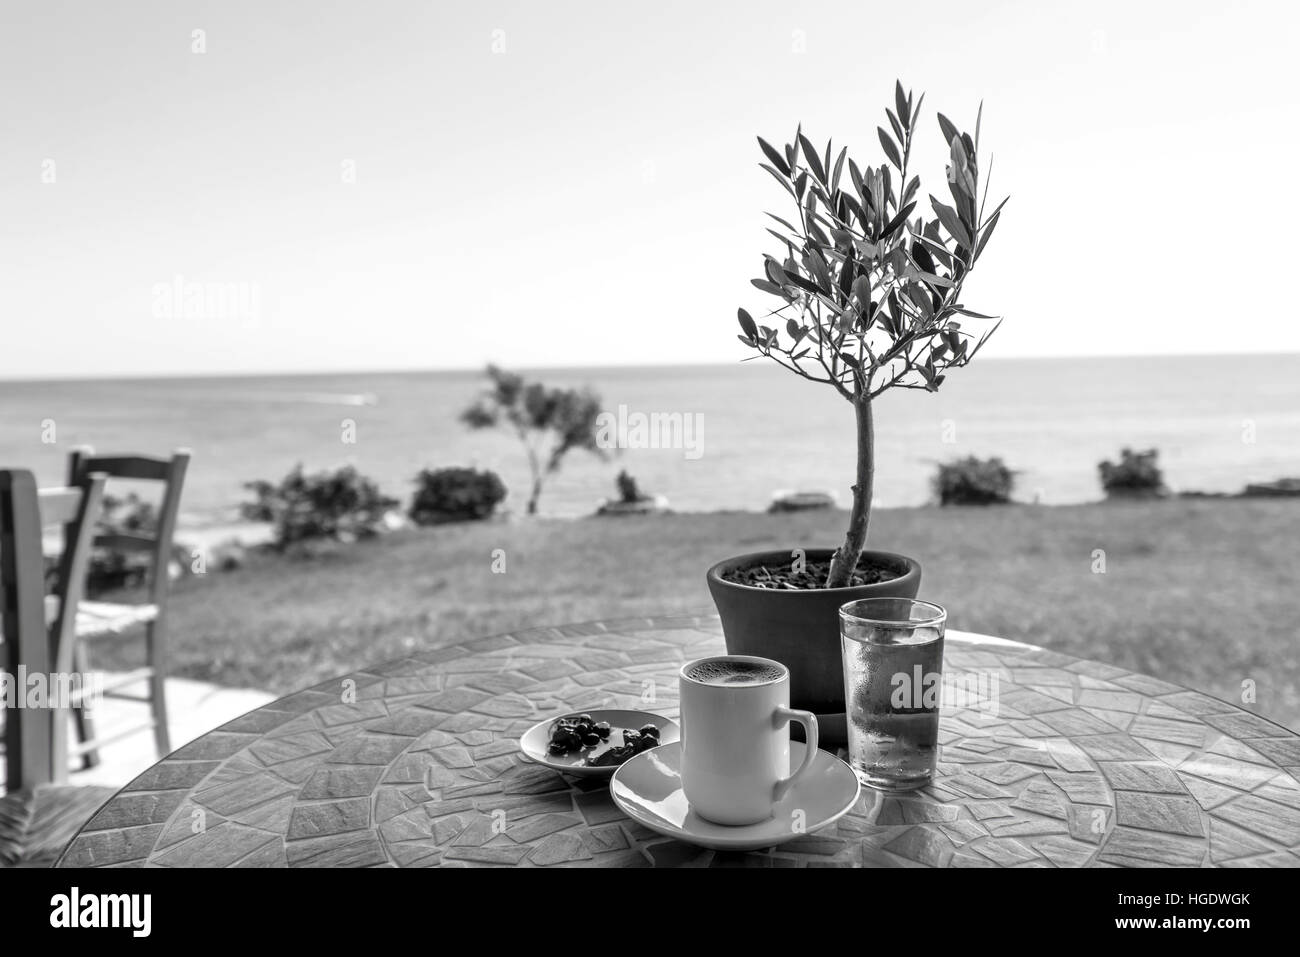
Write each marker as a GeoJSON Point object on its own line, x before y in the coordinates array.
{"type": "Point", "coordinates": [414, 762]}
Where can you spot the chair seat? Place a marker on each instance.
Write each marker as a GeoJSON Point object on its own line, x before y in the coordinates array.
{"type": "Point", "coordinates": [96, 619]}
{"type": "Point", "coordinates": [35, 826]}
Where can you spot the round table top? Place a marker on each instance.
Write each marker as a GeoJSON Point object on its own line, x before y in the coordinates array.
{"type": "Point", "coordinates": [416, 763]}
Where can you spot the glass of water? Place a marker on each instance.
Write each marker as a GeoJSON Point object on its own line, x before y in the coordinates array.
{"type": "Point", "coordinates": [893, 681]}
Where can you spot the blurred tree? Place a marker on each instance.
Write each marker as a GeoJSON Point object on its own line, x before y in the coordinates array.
{"type": "Point", "coordinates": [548, 421]}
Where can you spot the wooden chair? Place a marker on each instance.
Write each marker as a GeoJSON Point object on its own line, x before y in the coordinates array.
{"type": "Point", "coordinates": [39, 814]}
{"type": "Point", "coordinates": [97, 619]}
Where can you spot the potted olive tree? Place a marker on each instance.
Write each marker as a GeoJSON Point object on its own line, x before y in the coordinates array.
{"type": "Point", "coordinates": [869, 298]}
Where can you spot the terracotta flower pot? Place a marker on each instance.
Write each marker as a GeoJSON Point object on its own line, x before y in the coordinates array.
{"type": "Point", "coordinates": [800, 628]}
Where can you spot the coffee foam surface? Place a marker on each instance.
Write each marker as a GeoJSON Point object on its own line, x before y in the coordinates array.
{"type": "Point", "coordinates": [731, 672]}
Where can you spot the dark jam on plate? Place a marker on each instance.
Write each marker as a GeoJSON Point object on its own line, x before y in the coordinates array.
{"type": "Point", "coordinates": [571, 734]}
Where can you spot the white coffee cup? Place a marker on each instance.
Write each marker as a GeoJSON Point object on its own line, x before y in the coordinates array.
{"type": "Point", "coordinates": [736, 737]}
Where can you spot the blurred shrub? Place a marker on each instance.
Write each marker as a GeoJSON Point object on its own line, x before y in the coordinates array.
{"type": "Point", "coordinates": [113, 569]}
{"type": "Point", "coordinates": [974, 481]}
{"type": "Point", "coordinates": [455, 495]}
{"type": "Point", "coordinates": [629, 492]}
{"type": "Point", "coordinates": [340, 504]}
{"type": "Point", "coordinates": [1136, 475]}
{"type": "Point", "coordinates": [108, 568]}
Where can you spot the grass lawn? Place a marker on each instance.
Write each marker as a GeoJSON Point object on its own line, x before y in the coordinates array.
{"type": "Point", "coordinates": [1202, 593]}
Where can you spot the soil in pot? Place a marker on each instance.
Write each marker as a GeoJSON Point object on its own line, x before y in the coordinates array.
{"type": "Point", "coordinates": [811, 575]}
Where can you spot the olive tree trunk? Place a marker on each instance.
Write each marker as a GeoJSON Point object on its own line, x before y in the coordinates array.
{"type": "Point", "coordinates": [535, 467]}
{"type": "Point", "coordinates": [845, 559]}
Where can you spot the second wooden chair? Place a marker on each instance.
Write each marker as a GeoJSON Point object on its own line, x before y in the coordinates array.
{"type": "Point", "coordinates": [99, 619]}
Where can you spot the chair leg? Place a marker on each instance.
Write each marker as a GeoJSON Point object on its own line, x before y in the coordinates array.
{"type": "Point", "coordinates": [156, 636]}
{"type": "Point", "coordinates": [59, 743]}
{"type": "Point", "coordinates": [82, 717]}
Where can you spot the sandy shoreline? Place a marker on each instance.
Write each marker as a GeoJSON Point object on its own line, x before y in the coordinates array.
{"type": "Point", "coordinates": [208, 537]}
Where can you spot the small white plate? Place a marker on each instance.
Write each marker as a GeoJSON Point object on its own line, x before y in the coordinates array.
{"type": "Point", "coordinates": [648, 788]}
{"type": "Point", "coordinates": [535, 740]}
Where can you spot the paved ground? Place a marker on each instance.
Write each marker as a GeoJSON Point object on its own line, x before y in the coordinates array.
{"type": "Point", "coordinates": [193, 707]}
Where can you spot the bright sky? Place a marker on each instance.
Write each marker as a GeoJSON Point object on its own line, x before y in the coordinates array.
{"type": "Point", "coordinates": [577, 183]}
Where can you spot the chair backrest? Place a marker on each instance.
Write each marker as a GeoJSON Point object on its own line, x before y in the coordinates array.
{"type": "Point", "coordinates": [28, 641]}
{"type": "Point", "coordinates": [171, 471]}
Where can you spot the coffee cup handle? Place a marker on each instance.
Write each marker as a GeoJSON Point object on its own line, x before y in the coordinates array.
{"type": "Point", "coordinates": [809, 722]}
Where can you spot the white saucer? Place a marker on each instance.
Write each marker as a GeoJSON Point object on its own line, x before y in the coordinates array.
{"type": "Point", "coordinates": [648, 789]}
{"type": "Point", "coordinates": [535, 740]}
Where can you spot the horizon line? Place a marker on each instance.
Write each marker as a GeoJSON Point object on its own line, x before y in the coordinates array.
{"type": "Point", "coordinates": [432, 370]}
